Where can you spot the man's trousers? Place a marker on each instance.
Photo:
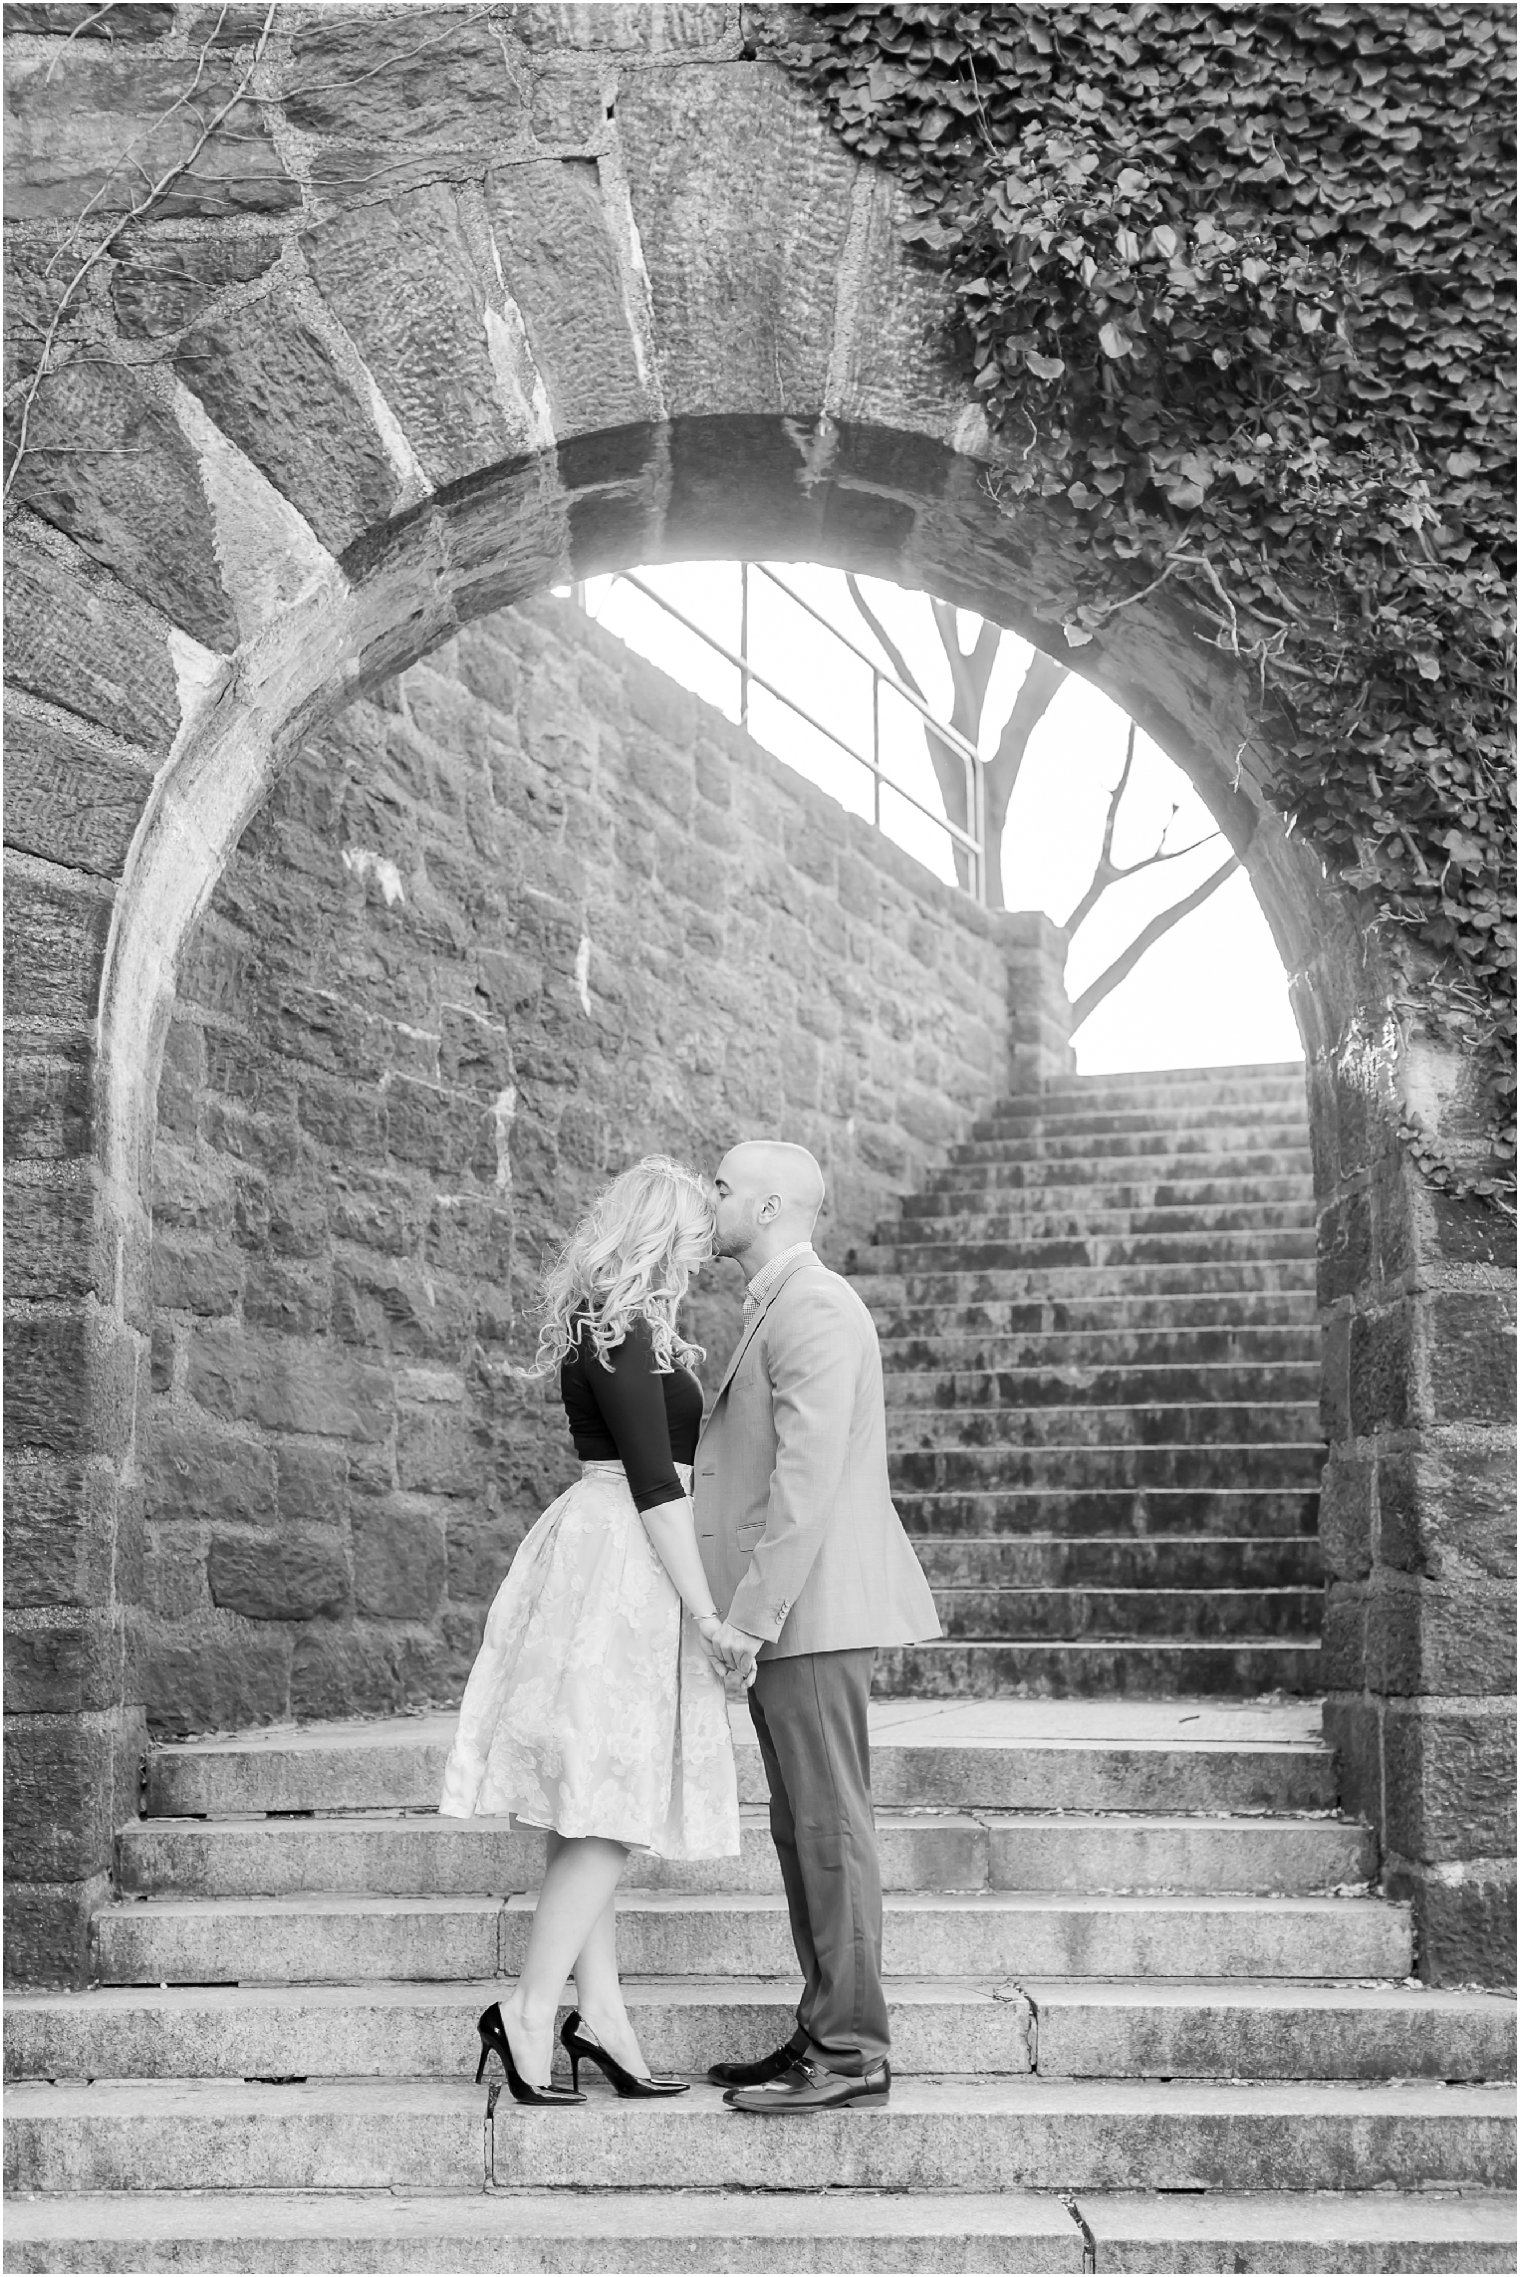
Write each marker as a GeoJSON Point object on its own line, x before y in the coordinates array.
{"type": "Point", "coordinates": [809, 1713]}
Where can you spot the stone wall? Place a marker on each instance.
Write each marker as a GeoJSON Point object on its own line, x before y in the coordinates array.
{"type": "Point", "coordinates": [530, 913]}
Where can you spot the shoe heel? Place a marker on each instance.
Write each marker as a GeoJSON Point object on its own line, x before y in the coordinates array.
{"type": "Point", "coordinates": [575, 2074]}
{"type": "Point", "coordinates": [480, 2068]}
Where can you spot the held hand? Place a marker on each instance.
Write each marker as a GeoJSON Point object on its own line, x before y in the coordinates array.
{"type": "Point", "coordinates": [731, 1651]}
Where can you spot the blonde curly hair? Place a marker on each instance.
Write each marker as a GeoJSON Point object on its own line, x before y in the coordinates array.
{"type": "Point", "coordinates": [629, 1259]}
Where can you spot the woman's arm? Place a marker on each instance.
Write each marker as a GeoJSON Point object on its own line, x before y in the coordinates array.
{"type": "Point", "coordinates": [631, 1398]}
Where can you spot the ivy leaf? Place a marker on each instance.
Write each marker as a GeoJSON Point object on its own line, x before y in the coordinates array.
{"type": "Point", "coordinates": [1114, 342]}
{"type": "Point", "coordinates": [1044, 367]}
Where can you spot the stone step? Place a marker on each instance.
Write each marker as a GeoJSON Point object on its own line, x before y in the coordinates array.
{"type": "Point", "coordinates": [992, 1219]}
{"type": "Point", "coordinates": [1156, 1670]}
{"type": "Point", "coordinates": [1167, 1082]}
{"type": "Point", "coordinates": [1283, 1289]}
{"type": "Point", "coordinates": [1072, 1384]}
{"type": "Point", "coordinates": [416, 1855]}
{"type": "Point", "coordinates": [1232, 1313]}
{"type": "Point", "coordinates": [1092, 1119]}
{"type": "Point", "coordinates": [1170, 2030]}
{"type": "Point", "coordinates": [1234, 1512]}
{"type": "Point", "coordinates": [942, 2135]}
{"type": "Point", "coordinates": [985, 1936]}
{"type": "Point", "coordinates": [675, 2232]}
{"type": "Point", "coordinates": [1188, 1423]}
{"type": "Point", "coordinates": [1160, 1563]}
{"type": "Point", "coordinates": [383, 2030]}
{"type": "Point", "coordinates": [1112, 1615]}
{"type": "Point", "coordinates": [1013, 1755]}
{"type": "Point", "coordinates": [1220, 1462]}
{"type": "Point", "coordinates": [1043, 1351]}
{"type": "Point", "coordinates": [686, 2233]}
{"type": "Point", "coordinates": [1175, 2234]}
{"type": "Point", "coordinates": [1274, 1138]}
{"type": "Point", "coordinates": [1019, 1172]}
{"type": "Point", "coordinates": [1084, 1248]}
{"type": "Point", "coordinates": [1060, 2027]}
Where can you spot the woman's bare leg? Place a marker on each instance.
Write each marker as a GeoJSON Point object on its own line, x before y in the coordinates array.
{"type": "Point", "coordinates": [599, 1994]}
{"type": "Point", "coordinates": [580, 1876]}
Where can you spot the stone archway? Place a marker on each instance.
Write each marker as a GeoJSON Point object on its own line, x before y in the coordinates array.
{"type": "Point", "coordinates": [620, 302]}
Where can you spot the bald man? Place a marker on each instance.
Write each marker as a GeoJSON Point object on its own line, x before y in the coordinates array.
{"type": "Point", "coordinates": [808, 1560]}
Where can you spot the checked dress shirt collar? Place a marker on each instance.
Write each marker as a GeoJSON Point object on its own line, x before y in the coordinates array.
{"type": "Point", "coordinates": [768, 1275]}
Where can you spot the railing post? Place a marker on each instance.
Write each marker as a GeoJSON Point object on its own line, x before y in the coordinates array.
{"type": "Point", "coordinates": [876, 747]}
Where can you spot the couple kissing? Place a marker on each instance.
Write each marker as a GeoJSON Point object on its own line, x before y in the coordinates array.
{"type": "Point", "coordinates": [756, 1553]}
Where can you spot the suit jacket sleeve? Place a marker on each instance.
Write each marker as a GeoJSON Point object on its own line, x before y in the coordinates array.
{"type": "Point", "coordinates": [813, 1355]}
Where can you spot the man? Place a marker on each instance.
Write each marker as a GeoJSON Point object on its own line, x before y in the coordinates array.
{"type": "Point", "coordinates": [808, 1560]}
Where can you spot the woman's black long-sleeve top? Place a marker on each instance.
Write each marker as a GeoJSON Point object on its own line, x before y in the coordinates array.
{"type": "Point", "coordinates": [629, 1413]}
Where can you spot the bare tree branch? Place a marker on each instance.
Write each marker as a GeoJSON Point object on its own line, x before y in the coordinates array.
{"type": "Point", "coordinates": [1161, 924]}
{"type": "Point", "coordinates": [889, 647]}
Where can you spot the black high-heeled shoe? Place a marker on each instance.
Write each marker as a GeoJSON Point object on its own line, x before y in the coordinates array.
{"type": "Point", "coordinates": [493, 2034]}
{"type": "Point", "coordinates": [578, 2048]}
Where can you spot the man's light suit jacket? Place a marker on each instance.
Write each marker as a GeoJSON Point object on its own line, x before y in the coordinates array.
{"type": "Point", "coordinates": [795, 1522]}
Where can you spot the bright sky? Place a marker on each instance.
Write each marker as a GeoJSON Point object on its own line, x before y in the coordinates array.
{"type": "Point", "coordinates": [1211, 993]}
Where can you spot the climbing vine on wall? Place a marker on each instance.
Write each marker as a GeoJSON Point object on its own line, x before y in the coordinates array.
{"type": "Point", "coordinates": [1236, 283]}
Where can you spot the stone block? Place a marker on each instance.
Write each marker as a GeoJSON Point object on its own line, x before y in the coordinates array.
{"type": "Point", "coordinates": [1343, 1638]}
{"type": "Point", "coordinates": [399, 1561]}
{"type": "Point", "coordinates": [47, 1926]}
{"type": "Point", "coordinates": [374, 1210]}
{"type": "Point", "coordinates": [429, 1127]}
{"type": "Point", "coordinates": [59, 1815]}
{"type": "Point", "coordinates": [91, 134]}
{"type": "Point", "coordinates": [1445, 1508]}
{"type": "Point", "coordinates": [1381, 1368]}
{"type": "Point", "coordinates": [1469, 1232]}
{"type": "Point", "coordinates": [61, 1663]}
{"type": "Point", "coordinates": [1453, 1636]}
{"type": "Point", "coordinates": [54, 1246]}
{"type": "Point", "coordinates": [190, 1191]}
{"type": "Point", "coordinates": [195, 1277]}
{"type": "Point", "coordinates": [1468, 1347]}
{"type": "Point", "coordinates": [270, 384]}
{"type": "Point", "coordinates": [174, 1573]}
{"type": "Point", "coordinates": [312, 1485]}
{"type": "Point", "coordinates": [219, 1677]}
{"type": "Point", "coordinates": [78, 20]}
{"type": "Point", "coordinates": [292, 1387]}
{"type": "Point", "coordinates": [108, 466]}
{"type": "Point", "coordinates": [425, 79]}
{"type": "Point", "coordinates": [1354, 1728]}
{"type": "Point", "coordinates": [469, 1235]}
{"type": "Point", "coordinates": [298, 1218]}
{"type": "Point", "coordinates": [342, 1116]}
{"type": "Point", "coordinates": [1450, 1779]}
{"type": "Point", "coordinates": [49, 1104]}
{"type": "Point", "coordinates": [292, 1577]}
{"type": "Point", "coordinates": [378, 265]}
{"type": "Point", "coordinates": [69, 1383]}
{"type": "Point", "coordinates": [1335, 1379]}
{"type": "Point", "coordinates": [161, 1350]}
{"type": "Point", "coordinates": [67, 801]}
{"type": "Point", "coordinates": [73, 637]}
{"type": "Point", "coordinates": [194, 1475]}
{"type": "Point", "coordinates": [481, 1546]}
{"type": "Point", "coordinates": [438, 1452]}
{"type": "Point", "coordinates": [60, 1525]}
{"type": "Point", "coordinates": [293, 1298]}
{"type": "Point", "coordinates": [360, 1670]}
{"type": "Point", "coordinates": [55, 938]}
{"type": "Point", "coordinates": [1464, 1920]}
{"type": "Point", "coordinates": [728, 270]}
{"type": "Point", "coordinates": [1345, 1248]}
{"type": "Point", "coordinates": [1346, 1518]}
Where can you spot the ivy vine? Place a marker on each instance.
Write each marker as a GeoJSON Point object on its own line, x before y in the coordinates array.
{"type": "Point", "coordinates": [1236, 281]}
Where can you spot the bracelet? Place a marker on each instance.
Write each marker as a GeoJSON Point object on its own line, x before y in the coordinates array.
{"type": "Point", "coordinates": [714, 1616]}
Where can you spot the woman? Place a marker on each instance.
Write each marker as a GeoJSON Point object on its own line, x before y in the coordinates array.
{"type": "Point", "coordinates": [596, 1708]}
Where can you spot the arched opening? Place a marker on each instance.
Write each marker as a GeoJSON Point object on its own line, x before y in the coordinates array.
{"type": "Point", "coordinates": [655, 393]}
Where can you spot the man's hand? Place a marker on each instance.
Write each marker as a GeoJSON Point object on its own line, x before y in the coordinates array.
{"type": "Point", "coordinates": [732, 1652]}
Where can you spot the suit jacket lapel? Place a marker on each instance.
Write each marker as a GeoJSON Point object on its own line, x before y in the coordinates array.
{"type": "Point", "coordinates": [755, 1319]}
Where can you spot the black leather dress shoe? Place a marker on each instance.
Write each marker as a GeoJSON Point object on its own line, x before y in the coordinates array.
{"type": "Point", "coordinates": [757, 2073]}
{"type": "Point", "coordinates": [806, 2086]}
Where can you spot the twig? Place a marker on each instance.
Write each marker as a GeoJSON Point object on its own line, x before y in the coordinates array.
{"type": "Point", "coordinates": [135, 213]}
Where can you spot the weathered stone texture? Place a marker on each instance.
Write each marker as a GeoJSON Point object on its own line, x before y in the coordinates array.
{"type": "Point", "coordinates": [473, 956]}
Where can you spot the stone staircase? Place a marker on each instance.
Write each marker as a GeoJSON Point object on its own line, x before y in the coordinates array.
{"type": "Point", "coordinates": [1147, 2017]}
{"type": "Point", "coordinates": [1148, 2014]}
{"type": "Point", "coordinates": [1098, 1327]}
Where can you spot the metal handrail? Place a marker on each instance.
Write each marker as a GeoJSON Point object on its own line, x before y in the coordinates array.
{"type": "Point", "coordinates": [972, 842]}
